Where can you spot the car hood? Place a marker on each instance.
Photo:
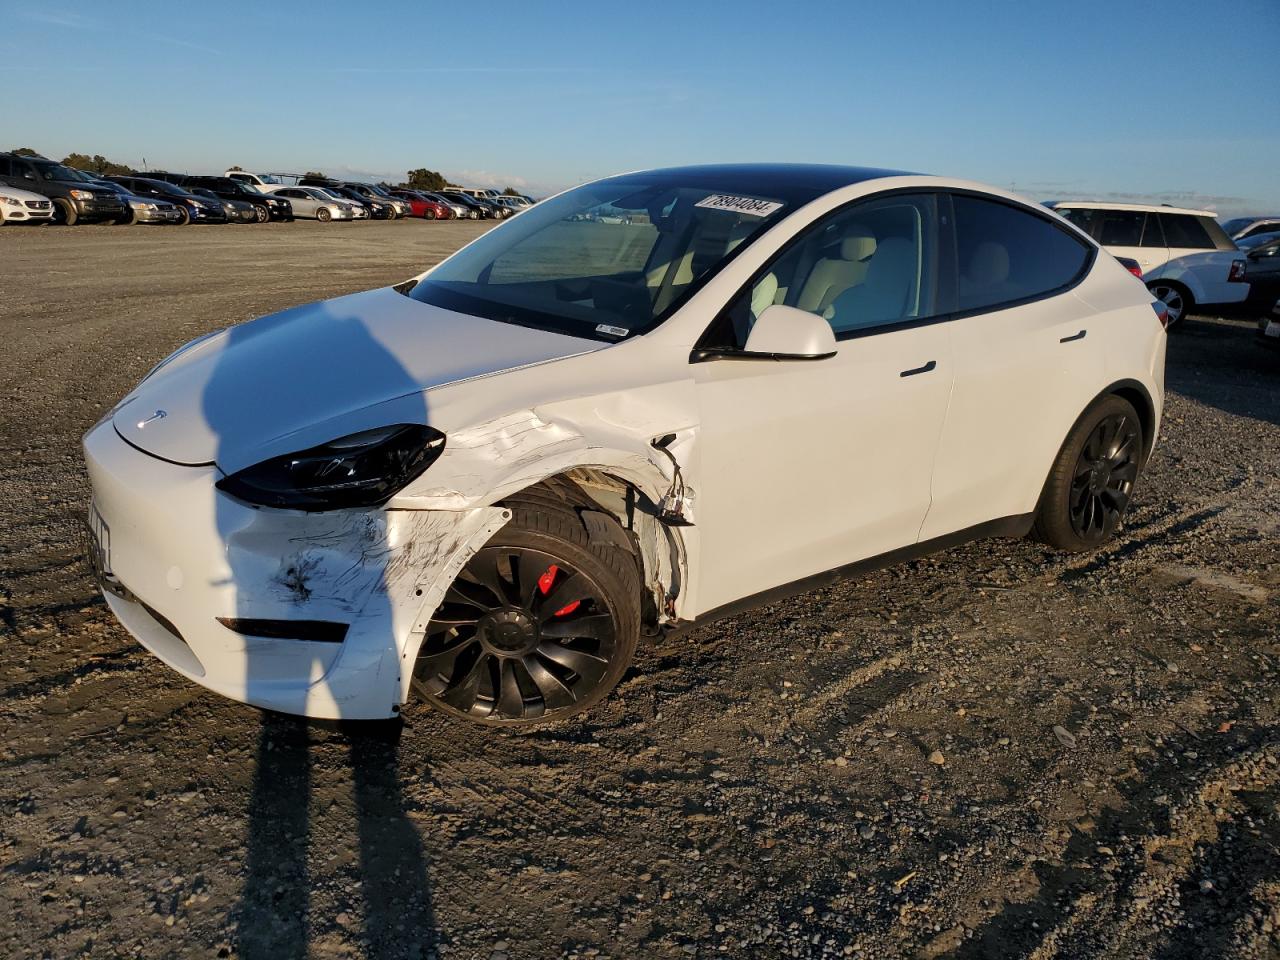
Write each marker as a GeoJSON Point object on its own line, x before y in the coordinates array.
{"type": "Point", "coordinates": [314, 373]}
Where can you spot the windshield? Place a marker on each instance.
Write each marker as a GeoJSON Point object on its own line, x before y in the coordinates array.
{"type": "Point", "coordinates": [55, 171]}
{"type": "Point", "coordinates": [1257, 240]}
{"type": "Point", "coordinates": [604, 261]}
{"type": "Point", "coordinates": [168, 189]}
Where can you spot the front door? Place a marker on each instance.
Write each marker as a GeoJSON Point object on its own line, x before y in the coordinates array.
{"type": "Point", "coordinates": [805, 466]}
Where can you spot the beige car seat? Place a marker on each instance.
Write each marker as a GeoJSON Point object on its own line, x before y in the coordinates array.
{"type": "Point", "coordinates": [830, 277]}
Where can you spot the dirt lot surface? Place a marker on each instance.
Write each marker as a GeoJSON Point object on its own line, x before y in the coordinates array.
{"type": "Point", "coordinates": [996, 752]}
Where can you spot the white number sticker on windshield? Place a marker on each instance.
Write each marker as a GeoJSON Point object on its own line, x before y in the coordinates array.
{"type": "Point", "coordinates": [748, 205]}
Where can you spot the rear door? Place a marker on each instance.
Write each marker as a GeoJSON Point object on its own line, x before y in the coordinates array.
{"type": "Point", "coordinates": [1026, 361]}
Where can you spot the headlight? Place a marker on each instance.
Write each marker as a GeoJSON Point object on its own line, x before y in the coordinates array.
{"type": "Point", "coordinates": [12, 201]}
{"type": "Point", "coordinates": [361, 470]}
{"type": "Point", "coordinates": [80, 194]}
{"type": "Point", "coordinates": [148, 206]}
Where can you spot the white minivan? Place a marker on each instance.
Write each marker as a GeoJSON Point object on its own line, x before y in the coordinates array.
{"type": "Point", "coordinates": [1186, 257]}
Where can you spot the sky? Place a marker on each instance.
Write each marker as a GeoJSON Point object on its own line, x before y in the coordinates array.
{"type": "Point", "coordinates": [1087, 99]}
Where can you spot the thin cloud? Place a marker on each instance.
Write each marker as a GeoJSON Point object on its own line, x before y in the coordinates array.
{"type": "Point", "coordinates": [460, 70]}
{"type": "Point", "coordinates": [76, 21]}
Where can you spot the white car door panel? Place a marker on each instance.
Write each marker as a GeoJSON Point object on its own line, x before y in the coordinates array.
{"type": "Point", "coordinates": [807, 466]}
{"type": "Point", "coordinates": [1023, 376]}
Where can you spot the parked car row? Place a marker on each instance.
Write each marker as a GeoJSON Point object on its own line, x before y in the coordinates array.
{"type": "Point", "coordinates": [39, 190]}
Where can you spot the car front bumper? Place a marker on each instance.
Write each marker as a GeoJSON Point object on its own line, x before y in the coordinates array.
{"type": "Point", "coordinates": [163, 215]}
{"type": "Point", "coordinates": [174, 555]}
{"type": "Point", "coordinates": [100, 209]}
{"type": "Point", "coordinates": [27, 213]}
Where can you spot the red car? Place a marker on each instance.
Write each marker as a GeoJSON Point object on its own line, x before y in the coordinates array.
{"type": "Point", "coordinates": [423, 206]}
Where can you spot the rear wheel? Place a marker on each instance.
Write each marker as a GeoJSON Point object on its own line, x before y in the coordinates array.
{"type": "Point", "coordinates": [541, 623]}
{"type": "Point", "coordinates": [1089, 487]}
{"type": "Point", "coordinates": [1176, 298]}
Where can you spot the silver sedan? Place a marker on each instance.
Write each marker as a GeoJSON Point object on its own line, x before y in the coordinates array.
{"type": "Point", "coordinates": [313, 203]}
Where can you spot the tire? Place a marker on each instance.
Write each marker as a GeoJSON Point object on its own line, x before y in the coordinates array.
{"type": "Point", "coordinates": [1176, 298]}
{"type": "Point", "coordinates": [489, 654]}
{"type": "Point", "coordinates": [1092, 479]}
{"type": "Point", "coordinates": [128, 220]}
{"type": "Point", "coordinates": [65, 212]}
{"type": "Point", "coordinates": [260, 213]}
{"type": "Point", "coordinates": [428, 214]}
{"type": "Point", "coordinates": [184, 216]}
{"type": "Point", "coordinates": [323, 215]}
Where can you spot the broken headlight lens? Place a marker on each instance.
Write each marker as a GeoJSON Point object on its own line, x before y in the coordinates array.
{"type": "Point", "coordinates": [362, 470]}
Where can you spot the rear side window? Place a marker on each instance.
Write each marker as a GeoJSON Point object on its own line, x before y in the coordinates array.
{"type": "Point", "coordinates": [1185, 231]}
{"type": "Point", "coordinates": [1006, 254]}
{"type": "Point", "coordinates": [1121, 228]}
{"type": "Point", "coordinates": [1152, 235]}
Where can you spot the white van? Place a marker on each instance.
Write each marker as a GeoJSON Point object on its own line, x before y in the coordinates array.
{"type": "Point", "coordinates": [1186, 257]}
{"type": "Point", "coordinates": [262, 182]}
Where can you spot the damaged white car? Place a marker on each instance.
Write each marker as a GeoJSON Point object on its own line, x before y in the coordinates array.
{"type": "Point", "coordinates": [646, 403]}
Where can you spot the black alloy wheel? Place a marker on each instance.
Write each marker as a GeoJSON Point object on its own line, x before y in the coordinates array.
{"type": "Point", "coordinates": [1092, 480]}
{"type": "Point", "coordinates": [1104, 476]}
{"type": "Point", "coordinates": [539, 625]}
{"type": "Point", "coordinates": [520, 635]}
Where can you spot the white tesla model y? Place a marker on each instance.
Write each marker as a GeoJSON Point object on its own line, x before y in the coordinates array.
{"type": "Point", "coordinates": [645, 403]}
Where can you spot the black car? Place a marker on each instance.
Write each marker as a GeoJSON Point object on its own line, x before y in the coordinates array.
{"type": "Point", "coordinates": [197, 209]}
{"type": "Point", "coordinates": [371, 191]}
{"type": "Point", "coordinates": [266, 206]}
{"type": "Point", "coordinates": [481, 212]}
{"type": "Point", "coordinates": [74, 200]}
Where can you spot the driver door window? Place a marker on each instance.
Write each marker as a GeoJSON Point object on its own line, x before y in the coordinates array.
{"type": "Point", "coordinates": [865, 269]}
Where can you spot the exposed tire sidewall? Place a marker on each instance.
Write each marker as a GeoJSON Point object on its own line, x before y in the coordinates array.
{"type": "Point", "coordinates": [323, 215]}
{"type": "Point", "coordinates": [561, 534]}
{"type": "Point", "coordinates": [66, 212]}
{"type": "Point", "coordinates": [1053, 517]}
{"type": "Point", "coordinates": [260, 213]}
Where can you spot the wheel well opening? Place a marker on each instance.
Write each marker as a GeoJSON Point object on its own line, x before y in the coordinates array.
{"type": "Point", "coordinates": [1146, 415]}
{"type": "Point", "coordinates": [591, 491]}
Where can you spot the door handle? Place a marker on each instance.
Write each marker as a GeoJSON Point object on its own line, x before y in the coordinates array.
{"type": "Point", "coordinates": [1073, 339]}
{"type": "Point", "coordinates": [925, 369]}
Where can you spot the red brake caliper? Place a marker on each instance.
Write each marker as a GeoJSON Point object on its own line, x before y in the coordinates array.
{"type": "Point", "coordinates": [546, 582]}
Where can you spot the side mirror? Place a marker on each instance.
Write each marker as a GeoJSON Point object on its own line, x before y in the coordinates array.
{"type": "Point", "coordinates": [780, 333]}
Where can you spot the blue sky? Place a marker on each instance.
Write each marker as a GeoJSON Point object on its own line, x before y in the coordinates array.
{"type": "Point", "coordinates": [1172, 100]}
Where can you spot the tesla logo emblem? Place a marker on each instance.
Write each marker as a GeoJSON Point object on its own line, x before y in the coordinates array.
{"type": "Point", "coordinates": [158, 415]}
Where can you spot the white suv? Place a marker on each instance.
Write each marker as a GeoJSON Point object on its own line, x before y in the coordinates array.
{"type": "Point", "coordinates": [1186, 258]}
{"type": "Point", "coordinates": [649, 402]}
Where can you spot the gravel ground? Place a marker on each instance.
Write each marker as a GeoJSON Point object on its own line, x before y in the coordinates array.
{"type": "Point", "coordinates": [995, 752]}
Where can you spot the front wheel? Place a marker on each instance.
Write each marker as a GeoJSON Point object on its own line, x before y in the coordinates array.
{"type": "Point", "coordinates": [1089, 487]}
{"type": "Point", "coordinates": [324, 215]}
{"type": "Point", "coordinates": [1177, 299]}
{"type": "Point", "coordinates": [64, 212]}
{"type": "Point", "coordinates": [261, 213]}
{"type": "Point", "coordinates": [540, 624]}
